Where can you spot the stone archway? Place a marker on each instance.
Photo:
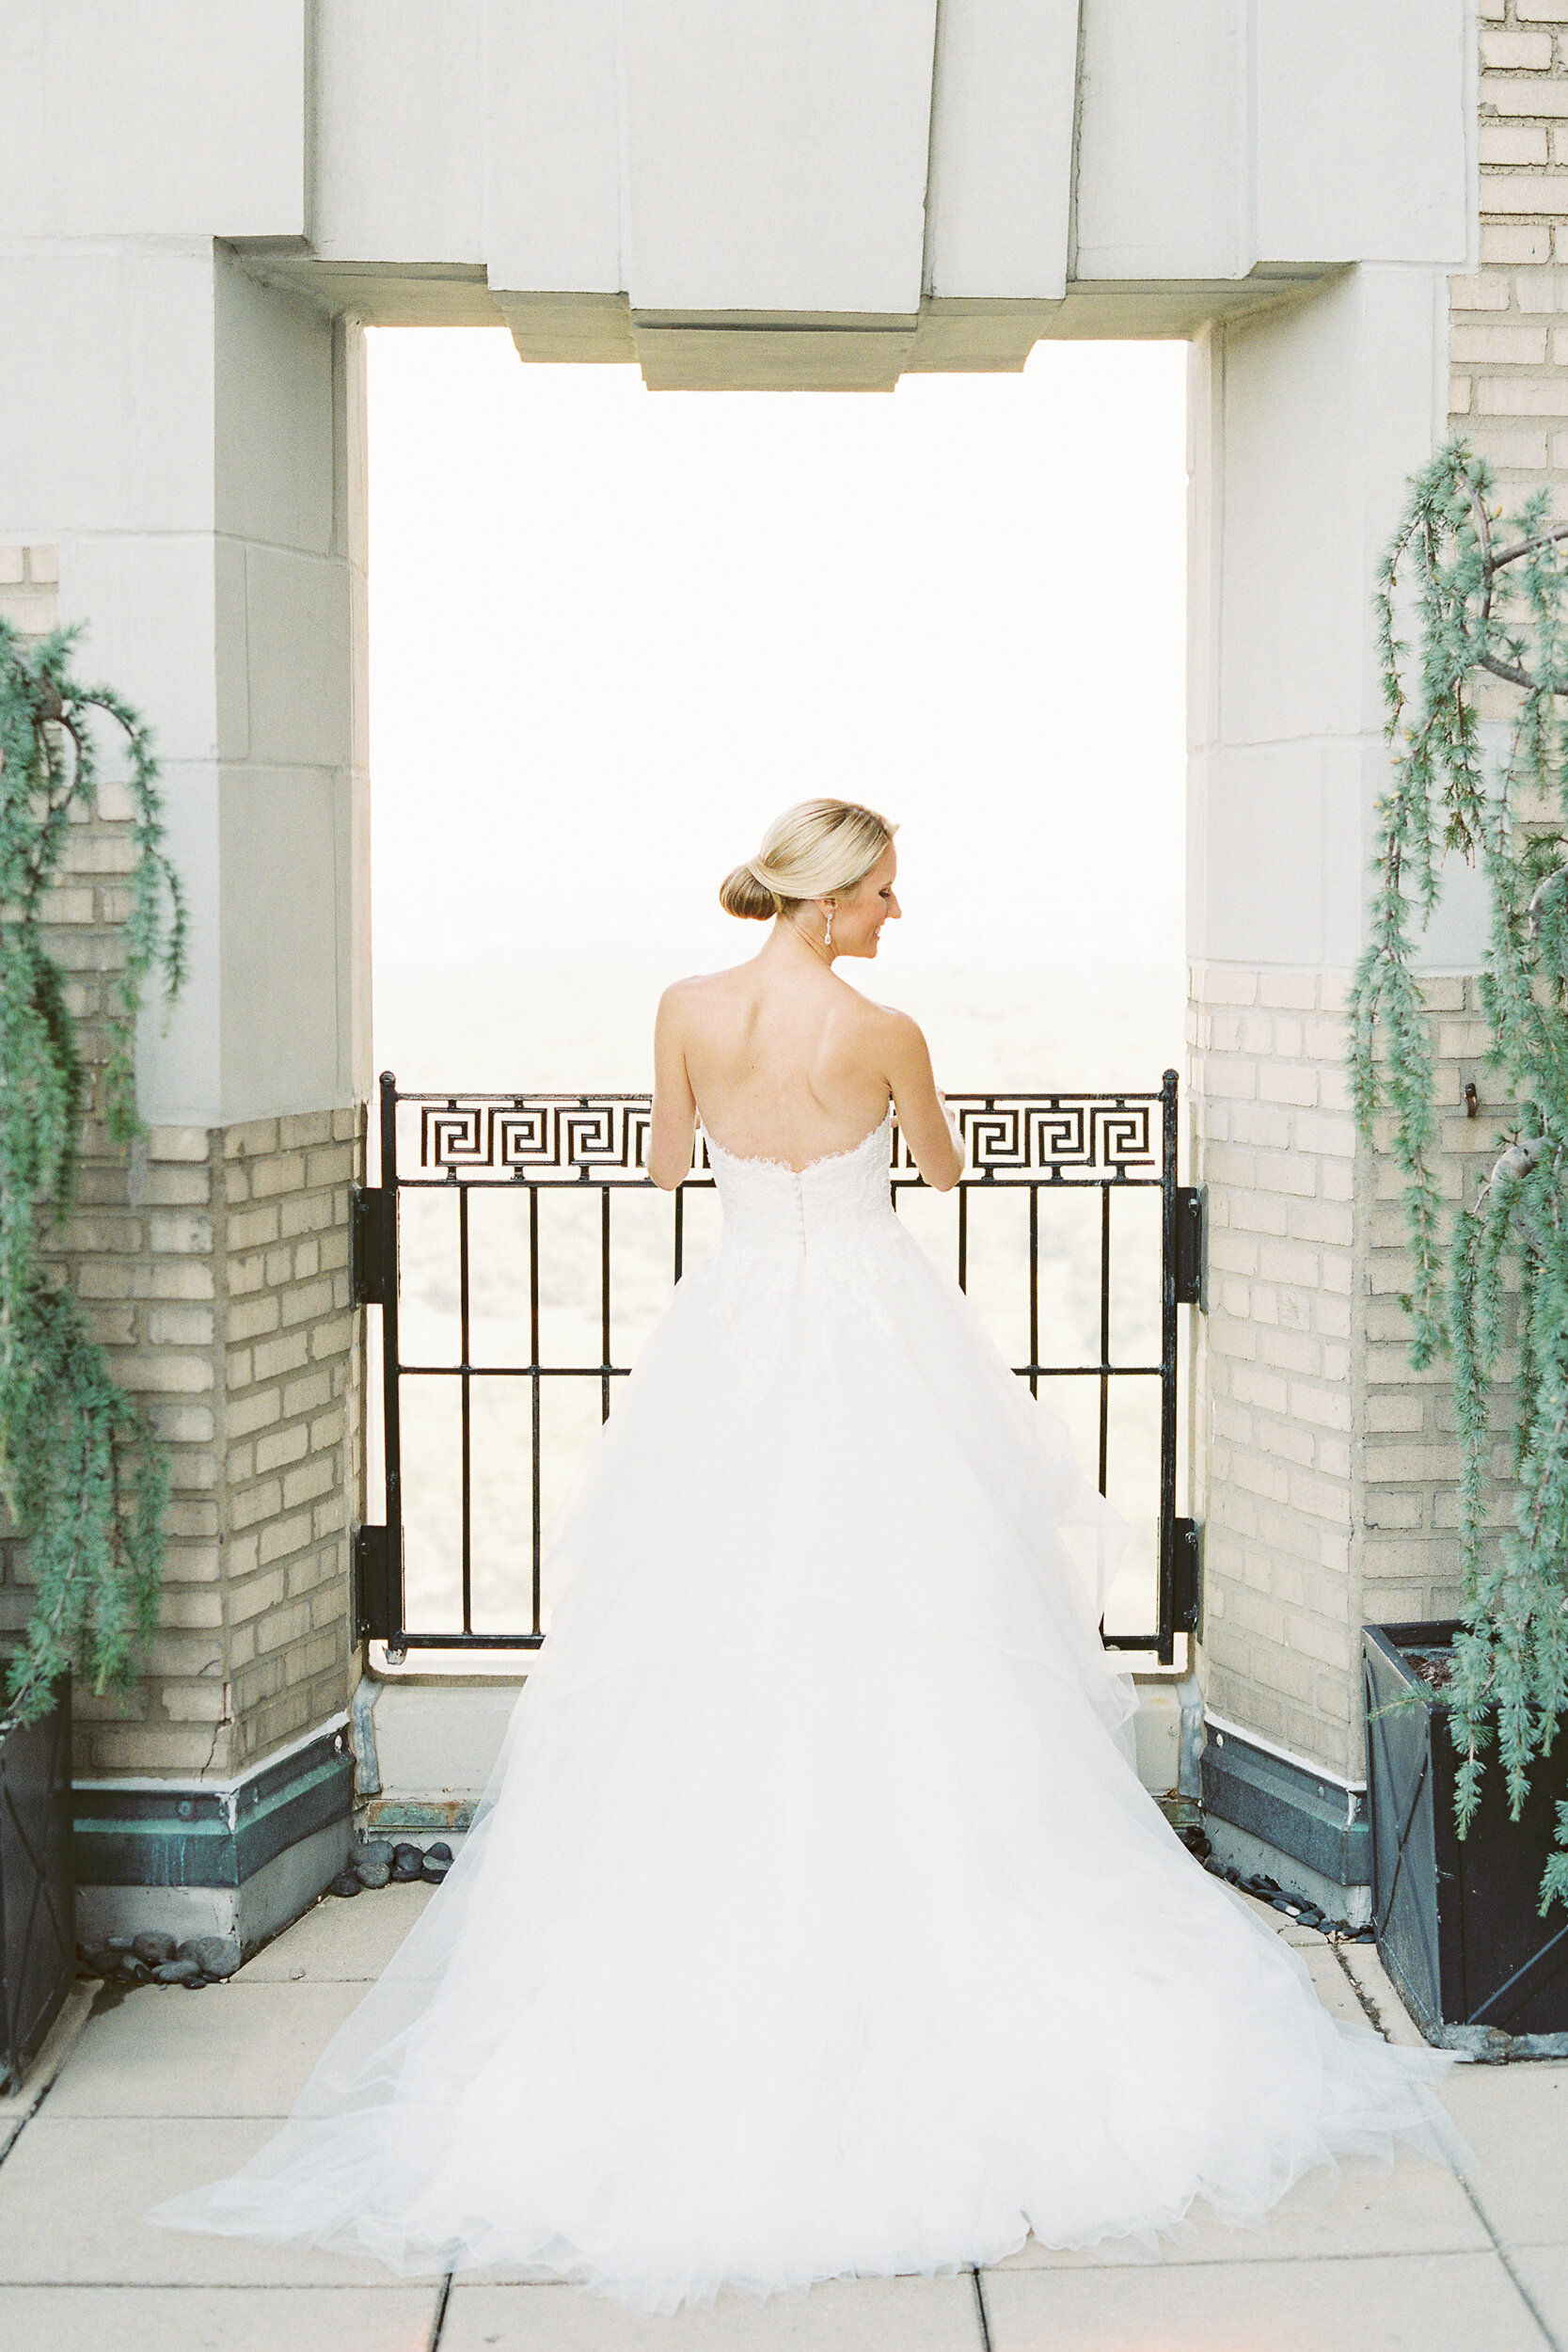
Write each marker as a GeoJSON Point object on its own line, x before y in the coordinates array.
{"type": "Point", "coordinates": [200, 222]}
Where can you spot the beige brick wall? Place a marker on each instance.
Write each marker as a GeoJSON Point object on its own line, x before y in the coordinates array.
{"type": "Point", "coordinates": [29, 589]}
{"type": "Point", "coordinates": [213, 1263]}
{"type": "Point", "coordinates": [291, 1384]}
{"type": "Point", "coordinates": [1328, 1464]}
{"type": "Point", "coordinates": [1326, 1469]}
{"type": "Point", "coordinates": [1509, 322]}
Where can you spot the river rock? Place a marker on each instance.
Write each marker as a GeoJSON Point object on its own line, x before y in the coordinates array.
{"type": "Point", "coordinates": [178, 1972]}
{"type": "Point", "coordinates": [153, 1948]}
{"type": "Point", "coordinates": [346, 1883]}
{"type": "Point", "coordinates": [407, 1862]}
{"type": "Point", "coordinates": [213, 1954]}
{"type": "Point", "coordinates": [373, 1874]}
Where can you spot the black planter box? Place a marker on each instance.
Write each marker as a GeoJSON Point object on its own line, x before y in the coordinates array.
{"type": "Point", "coordinates": [37, 1930]}
{"type": "Point", "coordinates": [1458, 1923]}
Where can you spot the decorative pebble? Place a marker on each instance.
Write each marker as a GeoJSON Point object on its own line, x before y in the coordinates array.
{"type": "Point", "coordinates": [373, 1874]}
{"type": "Point", "coordinates": [407, 1862]}
{"type": "Point", "coordinates": [213, 1954]}
{"type": "Point", "coordinates": [1295, 1907]}
{"type": "Point", "coordinates": [434, 1869]}
{"type": "Point", "coordinates": [153, 1948]}
{"type": "Point", "coordinates": [440, 1852]}
{"type": "Point", "coordinates": [346, 1882]}
{"type": "Point", "coordinates": [178, 1972]}
{"type": "Point", "coordinates": [374, 1851]}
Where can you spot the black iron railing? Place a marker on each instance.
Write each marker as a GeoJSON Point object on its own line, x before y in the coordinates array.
{"type": "Point", "coordinates": [459, 1145]}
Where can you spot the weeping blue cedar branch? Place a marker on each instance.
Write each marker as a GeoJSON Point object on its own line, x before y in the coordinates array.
{"type": "Point", "coordinates": [1482, 599]}
{"type": "Point", "coordinates": [80, 1471]}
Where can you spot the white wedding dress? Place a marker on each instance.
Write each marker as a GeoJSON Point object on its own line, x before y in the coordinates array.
{"type": "Point", "coordinates": [816, 1921]}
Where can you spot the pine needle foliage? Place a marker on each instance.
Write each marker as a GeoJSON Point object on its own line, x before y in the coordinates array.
{"type": "Point", "coordinates": [81, 1474]}
{"type": "Point", "coordinates": [1463, 596]}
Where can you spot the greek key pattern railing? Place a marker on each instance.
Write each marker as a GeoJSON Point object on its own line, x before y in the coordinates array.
{"type": "Point", "coordinates": [544, 1138]}
{"type": "Point", "coordinates": [461, 1144]}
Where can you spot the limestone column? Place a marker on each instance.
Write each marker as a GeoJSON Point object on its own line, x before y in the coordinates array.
{"type": "Point", "coordinates": [1322, 1462]}
{"type": "Point", "coordinates": [187, 454]}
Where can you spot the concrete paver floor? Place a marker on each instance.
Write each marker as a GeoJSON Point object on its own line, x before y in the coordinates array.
{"type": "Point", "coordinates": [143, 2092]}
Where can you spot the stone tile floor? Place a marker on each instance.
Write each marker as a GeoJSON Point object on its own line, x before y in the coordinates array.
{"type": "Point", "coordinates": [142, 2092]}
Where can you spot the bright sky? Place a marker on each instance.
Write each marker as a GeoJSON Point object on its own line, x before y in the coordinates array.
{"type": "Point", "coordinates": [613, 633]}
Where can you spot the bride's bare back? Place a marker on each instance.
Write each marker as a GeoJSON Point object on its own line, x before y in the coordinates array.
{"type": "Point", "coordinates": [783, 1060]}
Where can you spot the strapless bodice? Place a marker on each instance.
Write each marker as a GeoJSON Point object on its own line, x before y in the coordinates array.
{"type": "Point", "coordinates": [786, 1214]}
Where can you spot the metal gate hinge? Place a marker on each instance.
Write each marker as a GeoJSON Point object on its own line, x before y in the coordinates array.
{"type": "Point", "coordinates": [1186, 1591]}
{"type": "Point", "coordinates": [373, 1244]}
{"type": "Point", "coordinates": [372, 1600]}
{"type": "Point", "coordinates": [1189, 1246]}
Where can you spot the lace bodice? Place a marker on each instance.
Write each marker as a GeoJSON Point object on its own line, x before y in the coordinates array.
{"type": "Point", "coordinates": [783, 1213]}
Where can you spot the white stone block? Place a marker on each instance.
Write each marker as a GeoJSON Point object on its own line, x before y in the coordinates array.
{"type": "Point", "coordinates": [435, 1743]}
{"type": "Point", "coordinates": [1326, 409]}
{"type": "Point", "coordinates": [1341, 174]}
{"type": "Point", "coordinates": [146, 602]}
{"type": "Point", "coordinates": [401, 97]}
{"type": "Point", "coordinates": [108, 426]}
{"type": "Point", "coordinates": [552, 209]}
{"type": "Point", "coordinates": [274, 394]}
{"type": "Point", "coordinates": [168, 119]}
{"type": "Point", "coordinates": [1163, 185]}
{"type": "Point", "coordinates": [1208, 144]}
{"type": "Point", "coordinates": [776, 154]}
{"type": "Point", "coordinates": [179, 1062]}
{"type": "Point", "coordinates": [297, 656]}
{"type": "Point", "coordinates": [1001, 163]}
{"type": "Point", "coordinates": [283, 1017]}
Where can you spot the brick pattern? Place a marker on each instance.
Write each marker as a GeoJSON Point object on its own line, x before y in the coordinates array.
{"type": "Point", "coordinates": [213, 1263]}
{"type": "Point", "coordinates": [1329, 1465]}
{"type": "Point", "coordinates": [291, 1380]}
{"type": "Point", "coordinates": [30, 589]}
{"type": "Point", "coordinates": [1508, 321]}
{"type": "Point", "coordinates": [1410, 1563]}
{"type": "Point", "coordinates": [1275, 1149]}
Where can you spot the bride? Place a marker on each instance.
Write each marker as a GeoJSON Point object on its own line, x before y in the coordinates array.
{"type": "Point", "coordinates": [815, 1923]}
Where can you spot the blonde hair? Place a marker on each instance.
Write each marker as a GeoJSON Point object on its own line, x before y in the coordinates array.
{"type": "Point", "coordinates": [815, 850]}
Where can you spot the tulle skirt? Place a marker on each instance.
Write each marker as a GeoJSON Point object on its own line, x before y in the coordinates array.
{"type": "Point", "coordinates": [815, 1922]}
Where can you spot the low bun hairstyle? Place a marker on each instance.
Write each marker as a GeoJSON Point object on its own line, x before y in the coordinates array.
{"type": "Point", "coordinates": [741, 893]}
{"type": "Point", "coordinates": [815, 850]}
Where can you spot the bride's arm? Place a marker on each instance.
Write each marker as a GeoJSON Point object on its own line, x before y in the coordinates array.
{"type": "Point", "coordinates": [675, 1123]}
{"type": "Point", "coordinates": [923, 1120]}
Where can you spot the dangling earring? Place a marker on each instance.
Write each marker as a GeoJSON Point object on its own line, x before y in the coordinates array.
{"type": "Point", "coordinates": [827, 936]}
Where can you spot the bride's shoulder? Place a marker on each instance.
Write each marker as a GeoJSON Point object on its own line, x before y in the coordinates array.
{"type": "Point", "coordinates": [889, 1018]}
{"type": "Point", "coordinates": [695, 983]}
{"type": "Point", "coordinates": [697, 986]}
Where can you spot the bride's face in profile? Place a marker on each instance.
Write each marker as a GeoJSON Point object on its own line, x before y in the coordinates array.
{"type": "Point", "coordinates": [860, 913]}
